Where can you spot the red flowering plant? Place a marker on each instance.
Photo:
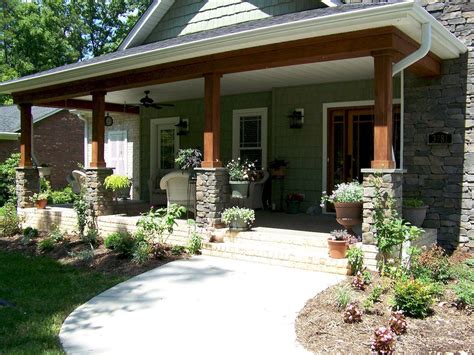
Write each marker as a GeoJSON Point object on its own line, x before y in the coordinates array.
{"type": "Point", "coordinates": [295, 197]}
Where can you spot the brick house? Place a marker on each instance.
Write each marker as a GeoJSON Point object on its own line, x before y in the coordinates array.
{"type": "Point", "coordinates": [383, 87]}
{"type": "Point", "coordinates": [58, 139]}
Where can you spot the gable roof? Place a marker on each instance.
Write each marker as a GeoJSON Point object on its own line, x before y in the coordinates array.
{"type": "Point", "coordinates": [10, 117]}
{"type": "Point", "coordinates": [407, 16]}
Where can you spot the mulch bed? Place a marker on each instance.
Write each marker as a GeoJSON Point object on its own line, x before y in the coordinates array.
{"type": "Point", "coordinates": [320, 326]}
{"type": "Point", "coordinates": [104, 261]}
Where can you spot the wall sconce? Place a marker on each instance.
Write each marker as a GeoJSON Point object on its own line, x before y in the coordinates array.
{"type": "Point", "coordinates": [108, 120]}
{"type": "Point", "coordinates": [183, 127]}
{"type": "Point", "coordinates": [297, 118]}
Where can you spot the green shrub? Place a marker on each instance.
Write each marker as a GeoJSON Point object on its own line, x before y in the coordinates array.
{"type": "Point", "coordinates": [7, 179]}
{"type": "Point", "coordinates": [178, 250]}
{"type": "Point", "coordinates": [46, 244]}
{"type": "Point", "coordinates": [121, 242]}
{"type": "Point", "coordinates": [80, 207]}
{"type": "Point", "coordinates": [413, 297]}
{"type": "Point", "coordinates": [91, 237]}
{"type": "Point", "coordinates": [117, 182]}
{"type": "Point", "coordinates": [432, 263]}
{"type": "Point", "coordinates": [62, 197]}
{"type": "Point", "coordinates": [355, 257]}
{"type": "Point", "coordinates": [83, 255]}
{"type": "Point", "coordinates": [343, 296]}
{"type": "Point", "coordinates": [464, 290]}
{"type": "Point", "coordinates": [142, 252]}
{"type": "Point", "coordinates": [30, 232]}
{"type": "Point", "coordinates": [9, 221]}
{"type": "Point", "coordinates": [56, 234]}
{"type": "Point", "coordinates": [367, 277]}
{"type": "Point", "coordinates": [157, 225]}
{"type": "Point", "coordinates": [463, 271]}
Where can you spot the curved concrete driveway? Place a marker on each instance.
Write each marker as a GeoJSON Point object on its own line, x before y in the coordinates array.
{"type": "Point", "coordinates": [205, 305]}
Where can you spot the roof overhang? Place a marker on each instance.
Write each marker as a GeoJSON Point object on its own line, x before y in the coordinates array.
{"type": "Point", "coordinates": [408, 17]}
{"type": "Point", "coordinates": [9, 136]}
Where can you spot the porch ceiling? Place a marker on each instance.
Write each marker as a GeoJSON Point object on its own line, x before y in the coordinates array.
{"type": "Point", "coordinates": [253, 81]}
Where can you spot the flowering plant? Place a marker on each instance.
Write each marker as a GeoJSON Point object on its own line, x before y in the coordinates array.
{"type": "Point", "coordinates": [238, 213]}
{"type": "Point", "coordinates": [295, 197]}
{"type": "Point", "coordinates": [241, 170]}
{"type": "Point", "coordinates": [188, 158]}
{"type": "Point", "coordinates": [345, 192]}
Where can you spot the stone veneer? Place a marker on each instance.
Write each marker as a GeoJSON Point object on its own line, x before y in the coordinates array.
{"type": "Point", "coordinates": [212, 196]}
{"type": "Point", "coordinates": [99, 199]}
{"type": "Point", "coordinates": [392, 185]}
{"type": "Point", "coordinates": [27, 183]}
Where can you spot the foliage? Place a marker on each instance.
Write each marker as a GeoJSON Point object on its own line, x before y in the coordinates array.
{"type": "Point", "coordinates": [383, 341]}
{"type": "Point", "coordinates": [432, 263]}
{"type": "Point", "coordinates": [47, 244]}
{"type": "Point", "coordinates": [398, 323]}
{"type": "Point", "coordinates": [178, 250]}
{"type": "Point", "coordinates": [157, 225]}
{"type": "Point", "coordinates": [91, 237]}
{"type": "Point", "coordinates": [235, 213]}
{"type": "Point", "coordinates": [464, 291]}
{"type": "Point", "coordinates": [84, 255]}
{"type": "Point", "coordinates": [340, 234]}
{"type": "Point", "coordinates": [355, 258]}
{"type": "Point", "coordinates": [463, 271]}
{"type": "Point", "coordinates": [352, 314]}
{"type": "Point", "coordinates": [62, 197]}
{"type": "Point", "coordinates": [121, 242]}
{"type": "Point", "coordinates": [9, 220]}
{"type": "Point", "coordinates": [40, 196]}
{"type": "Point", "coordinates": [413, 202]}
{"type": "Point", "coordinates": [343, 296]}
{"type": "Point", "coordinates": [373, 297]}
{"type": "Point", "coordinates": [241, 170]}
{"type": "Point", "coordinates": [195, 240]}
{"type": "Point", "coordinates": [46, 292]}
{"type": "Point", "coordinates": [117, 182]}
{"type": "Point", "coordinates": [414, 297]}
{"type": "Point", "coordinates": [358, 281]}
{"type": "Point", "coordinates": [80, 206]}
{"type": "Point", "coordinates": [345, 192]}
{"type": "Point", "coordinates": [367, 277]}
{"type": "Point", "coordinates": [7, 179]}
{"type": "Point", "coordinates": [142, 252]}
{"type": "Point", "coordinates": [188, 158]}
{"type": "Point", "coordinates": [56, 234]}
{"type": "Point", "coordinates": [30, 232]}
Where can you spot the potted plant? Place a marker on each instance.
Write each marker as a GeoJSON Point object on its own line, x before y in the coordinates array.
{"type": "Point", "coordinates": [278, 167]}
{"type": "Point", "coordinates": [338, 243]}
{"type": "Point", "coordinates": [41, 200]}
{"type": "Point", "coordinates": [347, 199]}
{"type": "Point", "coordinates": [189, 159]}
{"type": "Point", "coordinates": [238, 218]}
{"type": "Point", "coordinates": [119, 185]}
{"type": "Point", "coordinates": [414, 211]}
{"type": "Point", "coordinates": [44, 170]}
{"type": "Point", "coordinates": [240, 175]}
{"type": "Point", "coordinates": [293, 202]}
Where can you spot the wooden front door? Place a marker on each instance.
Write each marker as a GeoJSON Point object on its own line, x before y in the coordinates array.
{"type": "Point", "coordinates": [351, 143]}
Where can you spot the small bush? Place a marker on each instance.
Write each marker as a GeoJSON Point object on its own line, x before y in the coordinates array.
{"type": "Point", "coordinates": [463, 272]}
{"type": "Point", "coordinates": [343, 296]}
{"type": "Point", "coordinates": [91, 237]}
{"type": "Point", "coordinates": [85, 255]}
{"type": "Point", "coordinates": [383, 341]}
{"type": "Point", "coordinates": [398, 323]}
{"type": "Point", "coordinates": [7, 179]}
{"type": "Point", "coordinates": [352, 314]}
{"type": "Point", "coordinates": [195, 243]}
{"type": "Point", "coordinates": [432, 263]}
{"type": "Point", "coordinates": [142, 252]}
{"type": "Point", "coordinates": [56, 234]}
{"type": "Point", "coordinates": [355, 258]}
{"type": "Point", "coordinates": [46, 245]}
{"type": "Point", "coordinates": [62, 197]}
{"type": "Point", "coordinates": [178, 250]}
{"type": "Point", "coordinates": [30, 232]}
{"type": "Point", "coordinates": [464, 291]}
{"type": "Point", "coordinates": [367, 277]}
{"type": "Point", "coordinates": [121, 242]}
{"type": "Point", "coordinates": [413, 297]}
{"type": "Point", "coordinates": [9, 221]}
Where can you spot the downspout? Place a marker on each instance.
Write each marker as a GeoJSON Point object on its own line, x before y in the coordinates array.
{"type": "Point", "coordinates": [405, 63]}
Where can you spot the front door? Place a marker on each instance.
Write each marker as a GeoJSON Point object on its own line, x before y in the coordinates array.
{"type": "Point", "coordinates": [166, 148]}
{"type": "Point", "coordinates": [351, 143]}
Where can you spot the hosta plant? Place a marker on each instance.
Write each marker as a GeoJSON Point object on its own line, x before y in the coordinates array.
{"type": "Point", "coordinates": [398, 323]}
{"type": "Point", "coordinates": [383, 341]}
{"type": "Point", "coordinates": [352, 314]}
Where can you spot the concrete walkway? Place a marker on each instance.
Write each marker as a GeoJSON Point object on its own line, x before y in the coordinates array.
{"type": "Point", "coordinates": [205, 305]}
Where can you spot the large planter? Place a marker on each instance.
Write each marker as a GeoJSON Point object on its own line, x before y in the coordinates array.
{"type": "Point", "coordinates": [240, 189]}
{"type": "Point", "coordinates": [337, 248]}
{"type": "Point", "coordinates": [293, 207]}
{"type": "Point", "coordinates": [239, 225]}
{"type": "Point", "coordinates": [124, 193]}
{"type": "Point", "coordinates": [348, 214]}
{"type": "Point", "coordinates": [44, 171]}
{"type": "Point", "coordinates": [41, 204]}
{"type": "Point", "coordinates": [415, 215]}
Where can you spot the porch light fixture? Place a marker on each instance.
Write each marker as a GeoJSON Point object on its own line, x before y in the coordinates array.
{"type": "Point", "coordinates": [109, 121]}
{"type": "Point", "coordinates": [183, 127]}
{"type": "Point", "coordinates": [297, 118]}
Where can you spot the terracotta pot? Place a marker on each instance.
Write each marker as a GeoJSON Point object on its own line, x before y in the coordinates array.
{"type": "Point", "coordinates": [415, 215]}
{"type": "Point", "coordinates": [337, 248]}
{"type": "Point", "coordinates": [41, 204]}
{"type": "Point", "coordinates": [348, 214]}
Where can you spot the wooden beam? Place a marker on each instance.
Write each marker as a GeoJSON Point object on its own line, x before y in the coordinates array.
{"type": "Point", "coordinates": [383, 122]}
{"type": "Point", "coordinates": [88, 105]}
{"type": "Point", "coordinates": [98, 129]}
{"type": "Point", "coordinates": [324, 48]}
{"type": "Point", "coordinates": [212, 124]}
{"type": "Point", "coordinates": [26, 136]}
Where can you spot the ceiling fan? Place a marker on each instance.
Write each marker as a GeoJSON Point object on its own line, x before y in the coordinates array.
{"type": "Point", "coordinates": [149, 102]}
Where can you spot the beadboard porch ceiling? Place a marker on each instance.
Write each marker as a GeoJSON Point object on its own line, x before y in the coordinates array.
{"type": "Point", "coordinates": [253, 81]}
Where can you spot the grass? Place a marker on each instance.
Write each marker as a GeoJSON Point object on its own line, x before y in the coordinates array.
{"type": "Point", "coordinates": [44, 293]}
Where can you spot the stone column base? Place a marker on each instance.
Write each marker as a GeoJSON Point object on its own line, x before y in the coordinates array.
{"type": "Point", "coordinates": [212, 196]}
{"type": "Point", "coordinates": [27, 184]}
{"type": "Point", "coordinates": [99, 199]}
{"type": "Point", "coordinates": [392, 185]}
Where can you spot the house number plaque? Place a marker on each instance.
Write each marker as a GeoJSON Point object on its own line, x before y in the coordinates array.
{"type": "Point", "coordinates": [440, 138]}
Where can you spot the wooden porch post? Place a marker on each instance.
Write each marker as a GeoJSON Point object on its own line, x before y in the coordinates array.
{"type": "Point", "coordinates": [383, 125]}
{"type": "Point", "coordinates": [212, 126]}
{"type": "Point", "coordinates": [26, 136]}
{"type": "Point", "coordinates": [98, 129]}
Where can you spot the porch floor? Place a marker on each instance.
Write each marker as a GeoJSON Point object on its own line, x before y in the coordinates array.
{"type": "Point", "coordinates": [265, 220]}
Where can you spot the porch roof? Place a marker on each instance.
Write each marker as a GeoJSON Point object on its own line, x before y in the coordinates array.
{"type": "Point", "coordinates": [406, 16]}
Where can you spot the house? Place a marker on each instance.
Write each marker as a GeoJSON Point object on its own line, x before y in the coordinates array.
{"type": "Point", "coordinates": [58, 139]}
{"type": "Point", "coordinates": [380, 87]}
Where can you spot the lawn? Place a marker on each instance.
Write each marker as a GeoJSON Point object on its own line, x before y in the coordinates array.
{"type": "Point", "coordinates": [44, 292]}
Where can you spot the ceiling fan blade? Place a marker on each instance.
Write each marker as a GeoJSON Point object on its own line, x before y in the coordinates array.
{"type": "Point", "coordinates": [166, 105]}
{"type": "Point", "coordinates": [155, 106]}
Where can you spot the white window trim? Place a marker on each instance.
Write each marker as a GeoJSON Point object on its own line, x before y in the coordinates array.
{"type": "Point", "coordinates": [125, 133]}
{"type": "Point", "coordinates": [154, 123]}
{"type": "Point", "coordinates": [326, 107]}
{"type": "Point", "coordinates": [236, 114]}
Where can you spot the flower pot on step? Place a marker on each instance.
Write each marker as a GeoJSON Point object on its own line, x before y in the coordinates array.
{"type": "Point", "coordinates": [415, 215]}
{"type": "Point", "coordinates": [239, 225]}
{"type": "Point", "coordinates": [337, 248]}
{"type": "Point", "coordinates": [348, 214]}
{"type": "Point", "coordinates": [41, 204]}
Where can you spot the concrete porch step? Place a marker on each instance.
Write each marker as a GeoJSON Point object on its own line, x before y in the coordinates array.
{"type": "Point", "coordinates": [301, 257]}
